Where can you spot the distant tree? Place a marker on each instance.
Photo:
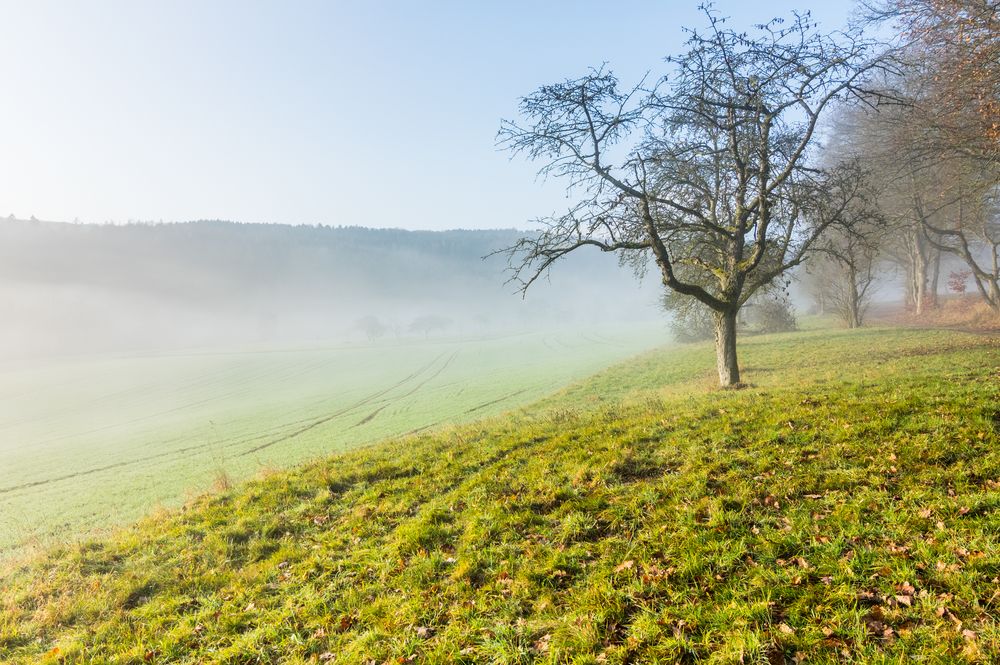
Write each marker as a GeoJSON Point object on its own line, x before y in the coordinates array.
{"type": "Point", "coordinates": [371, 326]}
{"type": "Point", "coordinates": [429, 323]}
{"type": "Point", "coordinates": [847, 277]}
{"type": "Point", "coordinates": [690, 320]}
{"type": "Point", "coordinates": [771, 311]}
{"type": "Point", "coordinates": [967, 225]}
{"type": "Point", "coordinates": [707, 171]}
{"type": "Point", "coordinates": [880, 142]}
{"type": "Point", "coordinates": [847, 256]}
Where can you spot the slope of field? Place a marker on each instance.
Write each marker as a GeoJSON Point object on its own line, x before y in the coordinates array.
{"type": "Point", "coordinates": [94, 441]}
{"type": "Point", "coordinates": [844, 508]}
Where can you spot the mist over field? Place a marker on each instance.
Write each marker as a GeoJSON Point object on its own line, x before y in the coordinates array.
{"type": "Point", "coordinates": [70, 288]}
{"type": "Point", "coordinates": [141, 363]}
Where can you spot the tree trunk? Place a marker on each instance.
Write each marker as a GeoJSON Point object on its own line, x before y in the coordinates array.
{"type": "Point", "coordinates": [923, 264]}
{"type": "Point", "coordinates": [932, 291]}
{"type": "Point", "coordinates": [853, 313]}
{"type": "Point", "coordinates": [911, 288]}
{"type": "Point", "coordinates": [920, 265]}
{"type": "Point", "coordinates": [855, 304]}
{"type": "Point", "coordinates": [725, 348]}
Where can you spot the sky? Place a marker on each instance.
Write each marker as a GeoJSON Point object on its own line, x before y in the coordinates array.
{"type": "Point", "coordinates": [370, 113]}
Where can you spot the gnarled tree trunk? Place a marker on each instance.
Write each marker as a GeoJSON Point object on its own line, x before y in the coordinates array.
{"type": "Point", "coordinates": [725, 348]}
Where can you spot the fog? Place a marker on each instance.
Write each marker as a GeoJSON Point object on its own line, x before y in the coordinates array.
{"type": "Point", "coordinates": [77, 289]}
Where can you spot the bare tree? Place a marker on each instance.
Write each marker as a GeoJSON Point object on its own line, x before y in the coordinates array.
{"type": "Point", "coordinates": [707, 170]}
{"type": "Point", "coordinates": [969, 228]}
{"type": "Point", "coordinates": [371, 326]}
{"type": "Point", "coordinates": [847, 267]}
{"type": "Point", "coordinates": [847, 254]}
{"type": "Point", "coordinates": [900, 165]}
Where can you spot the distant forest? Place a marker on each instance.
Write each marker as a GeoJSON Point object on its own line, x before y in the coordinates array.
{"type": "Point", "coordinates": [146, 286]}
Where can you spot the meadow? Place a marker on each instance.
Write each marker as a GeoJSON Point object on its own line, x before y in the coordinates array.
{"type": "Point", "coordinates": [842, 508]}
{"type": "Point", "coordinates": [92, 441]}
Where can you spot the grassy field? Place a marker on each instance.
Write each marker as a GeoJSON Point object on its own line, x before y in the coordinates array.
{"type": "Point", "coordinates": [844, 508]}
{"type": "Point", "coordinates": [93, 441]}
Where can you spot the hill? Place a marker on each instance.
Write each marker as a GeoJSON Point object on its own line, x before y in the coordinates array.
{"type": "Point", "coordinates": [843, 508]}
{"type": "Point", "coordinates": [82, 287]}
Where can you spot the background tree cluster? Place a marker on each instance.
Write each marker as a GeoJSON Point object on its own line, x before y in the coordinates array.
{"type": "Point", "coordinates": [932, 148]}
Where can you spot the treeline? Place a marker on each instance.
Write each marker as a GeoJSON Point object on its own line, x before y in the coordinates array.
{"type": "Point", "coordinates": [206, 260]}
{"type": "Point", "coordinates": [926, 146]}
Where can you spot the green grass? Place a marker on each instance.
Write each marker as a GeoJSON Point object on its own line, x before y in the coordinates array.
{"type": "Point", "coordinates": [844, 508]}
{"type": "Point", "coordinates": [92, 441]}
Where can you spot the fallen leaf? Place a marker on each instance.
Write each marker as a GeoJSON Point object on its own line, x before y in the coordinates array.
{"type": "Point", "coordinates": [624, 565]}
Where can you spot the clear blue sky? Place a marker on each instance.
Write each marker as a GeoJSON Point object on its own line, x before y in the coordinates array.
{"type": "Point", "coordinates": [364, 112]}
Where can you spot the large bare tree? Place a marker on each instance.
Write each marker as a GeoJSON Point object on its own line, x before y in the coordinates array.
{"type": "Point", "coordinates": [706, 170]}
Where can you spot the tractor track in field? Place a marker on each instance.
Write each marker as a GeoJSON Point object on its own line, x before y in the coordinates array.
{"type": "Point", "coordinates": [159, 414]}
{"type": "Point", "coordinates": [370, 417]}
{"type": "Point", "coordinates": [363, 402]}
{"type": "Point", "coordinates": [101, 469]}
{"type": "Point", "coordinates": [312, 424]}
{"type": "Point", "coordinates": [437, 373]}
{"type": "Point", "coordinates": [219, 377]}
{"type": "Point", "coordinates": [496, 401]}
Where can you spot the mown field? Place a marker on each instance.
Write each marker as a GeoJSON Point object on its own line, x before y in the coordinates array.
{"type": "Point", "coordinates": [843, 508]}
{"type": "Point", "coordinates": [95, 441]}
